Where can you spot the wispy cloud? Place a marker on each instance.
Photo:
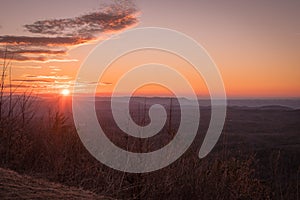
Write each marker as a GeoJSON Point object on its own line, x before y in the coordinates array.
{"type": "Point", "coordinates": [32, 80]}
{"type": "Point", "coordinates": [42, 78]}
{"type": "Point", "coordinates": [43, 81]}
{"type": "Point", "coordinates": [56, 36]}
{"type": "Point", "coordinates": [40, 41]}
{"type": "Point", "coordinates": [31, 53]}
{"type": "Point", "coordinates": [49, 77]}
{"type": "Point", "coordinates": [53, 83]}
{"type": "Point", "coordinates": [27, 67]}
{"type": "Point", "coordinates": [88, 84]}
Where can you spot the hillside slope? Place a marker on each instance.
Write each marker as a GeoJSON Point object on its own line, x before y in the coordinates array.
{"type": "Point", "coordinates": [16, 186]}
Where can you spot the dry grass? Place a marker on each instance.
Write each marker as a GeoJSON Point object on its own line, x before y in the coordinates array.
{"type": "Point", "coordinates": [16, 186]}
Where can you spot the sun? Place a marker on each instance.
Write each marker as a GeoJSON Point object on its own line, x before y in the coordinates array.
{"type": "Point", "coordinates": [65, 92]}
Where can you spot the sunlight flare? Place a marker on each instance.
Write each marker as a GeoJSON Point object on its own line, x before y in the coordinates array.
{"type": "Point", "coordinates": [65, 92]}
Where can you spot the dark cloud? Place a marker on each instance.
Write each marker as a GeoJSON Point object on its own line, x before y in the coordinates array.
{"type": "Point", "coordinates": [32, 80]}
{"type": "Point", "coordinates": [105, 83]}
{"type": "Point", "coordinates": [82, 84]}
{"type": "Point", "coordinates": [58, 35]}
{"type": "Point", "coordinates": [23, 57]}
{"type": "Point", "coordinates": [23, 52]}
{"type": "Point", "coordinates": [35, 55]}
{"type": "Point", "coordinates": [42, 41]}
{"type": "Point", "coordinates": [87, 26]}
{"type": "Point", "coordinates": [41, 79]}
{"type": "Point", "coordinates": [32, 49]}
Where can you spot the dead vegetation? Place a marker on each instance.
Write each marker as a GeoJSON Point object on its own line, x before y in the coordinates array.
{"type": "Point", "coordinates": [16, 186]}
{"type": "Point", "coordinates": [51, 149]}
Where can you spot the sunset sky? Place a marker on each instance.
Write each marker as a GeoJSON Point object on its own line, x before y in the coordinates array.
{"type": "Point", "coordinates": [255, 44]}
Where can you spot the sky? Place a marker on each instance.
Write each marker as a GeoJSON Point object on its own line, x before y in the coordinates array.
{"type": "Point", "coordinates": [255, 44]}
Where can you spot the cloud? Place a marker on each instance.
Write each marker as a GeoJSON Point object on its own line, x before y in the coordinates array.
{"type": "Point", "coordinates": [24, 52]}
{"type": "Point", "coordinates": [16, 86]}
{"type": "Point", "coordinates": [53, 83]}
{"type": "Point", "coordinates": [84, 84]}
{"type": "Point", "coordinates": [113, 18]}
{"type": "Point", "coordinates": [56, 36]}
{"type": "Point", "coordinates": [27, 67]}
{"type": "Point", "coordinates": [43, 77]}
{"type": "Point", "coordinates": [32, 80]}
{"type": "Point", "coordinates": [53, 67]}
{"type": "Point", "coordinates": [29, 84]}
{"type": "Point", "coordinates": [41, 41]}
{"type": "Point", "coordinates": [22, 57]}
{"type": "Point", "coordinates": [105, 83]}
{"type": "Point", "coordinates": [38, 56]}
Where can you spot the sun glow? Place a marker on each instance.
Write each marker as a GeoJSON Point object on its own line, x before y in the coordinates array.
{"type": "Point", "coordinates": [65, 92]}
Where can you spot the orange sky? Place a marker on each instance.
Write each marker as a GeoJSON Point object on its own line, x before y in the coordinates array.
{"type": "Point", "coordinates": [255, 44]}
